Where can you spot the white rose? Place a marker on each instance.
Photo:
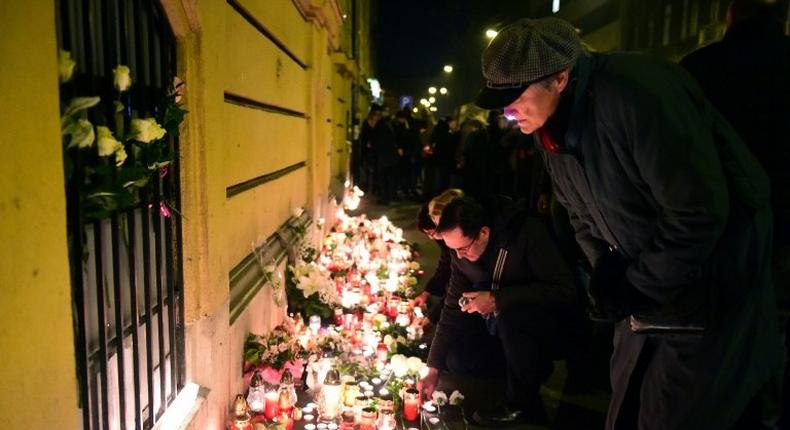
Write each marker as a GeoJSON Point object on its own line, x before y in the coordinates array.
{"type": "Point", "coordinates": [439, 398]}
{"type": "Point", "coordinates": [122, 78]}
{"type": "Point", "coordinates": [456, 398]}
{"type": "Point", "coordinates": [82, 135]}
{"type": "Point", "coordinates": [399, 366]}
{"type": "Point", "coordinates": [106, 142]}
{"type": "Point", "coordinates": [146, 130]}
{"type": "Point", "coordinates": [65, 65]}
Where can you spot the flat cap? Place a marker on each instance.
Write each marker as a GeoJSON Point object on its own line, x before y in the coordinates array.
{"type": "Point", "coordinates": [525, 52]}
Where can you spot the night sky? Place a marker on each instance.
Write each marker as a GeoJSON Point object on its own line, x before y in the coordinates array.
{"type": "Point", "coordinates": [416, 38]}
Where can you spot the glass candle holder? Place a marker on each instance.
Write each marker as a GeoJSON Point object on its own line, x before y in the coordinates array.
{"type": "Point", "coordinates": [331, 396]}
{"type": "Point", "coordinates": [348, 419]}
{"type": "Point", "coordinates": [368, 419]}
{"type": "Point", "coordinates": [350, 393]}
{"type": "Point", "coordinates": [386, 420]}
{"type": "Point", "coordinates": [255, 398]}
{"type": "Point", "coordinates": [387, 404]}
{"type": "Point", "coordinates": [272, 407]}
{"type": "Point", "coordinates": [411, 404]}
{"type": "Point", "coordinates": [314, 324]}
{"type": "Point", "coordinates": [361, 403]}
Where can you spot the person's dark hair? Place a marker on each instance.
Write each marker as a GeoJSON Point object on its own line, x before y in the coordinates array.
{"type": "Point", "coordinates": [374, 109]}
{"type": "Point", "coordinates": [424, 222]}
{"type": "Point", "coordinates": [740, 10]}
{"type": "Point", "coordinates": [466, 213]}
{"type": "Point", "coordinates": [403, 114]}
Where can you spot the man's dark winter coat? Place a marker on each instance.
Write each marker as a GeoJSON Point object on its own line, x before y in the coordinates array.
{"type": "Point", "coordinates": [650, 169]}
{"type": "Point", "coordinates": [534, 275]}
{"type": "Point", "coordinates": [747, 77]}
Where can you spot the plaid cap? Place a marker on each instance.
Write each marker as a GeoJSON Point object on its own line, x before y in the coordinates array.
{"type": "Point", "coordinates": [523, 53]}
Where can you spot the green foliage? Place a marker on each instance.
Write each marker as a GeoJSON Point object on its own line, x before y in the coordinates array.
{"type": "Point", "coordinates": [305, 306]}
{"type": "Point", "coordinates": [275, 349]}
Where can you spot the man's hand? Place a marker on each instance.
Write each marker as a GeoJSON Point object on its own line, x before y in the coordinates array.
{"type": "Point", "coordinates": [427, 384]}
{"type": "Point", "coordinates": [420, 300]}
{"type": "Point", "coordinates": [479, 301]}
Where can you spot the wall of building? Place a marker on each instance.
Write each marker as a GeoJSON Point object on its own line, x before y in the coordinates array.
{"type": "Point", "coordinates": [38, 374]}
{"type": "Point", "coordinates": [268, 91]}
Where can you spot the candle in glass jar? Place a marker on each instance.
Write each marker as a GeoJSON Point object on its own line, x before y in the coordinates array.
{"type": "Point", "coordinates": [315, 324]}
{"type": "Point", "coordinates": [411, 402]}
{"type": "Point", "coordinates": [381, 352]}
{"type": "Point", "coordinates": [350, 393]}
{"type": "Point", "coordinates": [348, 419]}
{"type": "Point", "coordinates": [386, 421]}
{"type": "Point", "coordinates": [368, 419]}
{"type": "Point", "coordinates": [272, 408]}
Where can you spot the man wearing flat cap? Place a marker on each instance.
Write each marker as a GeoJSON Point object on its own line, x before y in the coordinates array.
{"type": "Point", "coordinates": [670, 208]}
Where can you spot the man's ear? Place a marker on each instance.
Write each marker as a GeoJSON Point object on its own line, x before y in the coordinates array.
{"type": "Point", "coordinates": [485, 230]}
{"type": "Point", "coordinates": [562, 80]}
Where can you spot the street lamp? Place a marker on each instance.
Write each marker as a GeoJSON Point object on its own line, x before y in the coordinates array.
{"type": "Point", "coordinates": [425, 102]}
{"type": "Point", "coordinates": [432, 90]}
{"type": "Point", "coordinates": [433, 108]}
{"type": "Point", "coordinates": [442, 90]}
{"type": "Point", "coordinates": [432, 99]}
{"type": "Point", "coordinates": [490, 33]}
{"type": "Point", "coordinates": [448, 69]}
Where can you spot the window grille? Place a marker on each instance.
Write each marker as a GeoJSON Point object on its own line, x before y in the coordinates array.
{"type": "Point", "coordinates": [125, 269]}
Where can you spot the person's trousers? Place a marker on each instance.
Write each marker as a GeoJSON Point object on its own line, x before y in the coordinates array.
{"type": "Point", "coordinates": [531, 339]}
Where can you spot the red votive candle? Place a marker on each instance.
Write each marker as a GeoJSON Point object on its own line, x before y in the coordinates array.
{"type": "Point", "coordinates": [411, 404]}
{"type": "Point", "coordinates": [272, 405]}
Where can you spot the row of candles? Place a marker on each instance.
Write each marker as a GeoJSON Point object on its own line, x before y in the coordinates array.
{"type": "Point", "coordinates": [338, 401]}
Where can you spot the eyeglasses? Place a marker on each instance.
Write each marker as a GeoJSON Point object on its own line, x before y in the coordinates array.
{"type": "Point", "coordinates": [466, 248]}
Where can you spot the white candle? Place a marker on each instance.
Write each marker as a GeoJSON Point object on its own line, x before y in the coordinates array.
{"type": "Point", "coordinates": [309, 427]}
{"type": "Point", "coordinates": [376, 381]}
{"type": "Point", "coordinates": [433, 420]}
{"type": "Point", "coordinates": [308, 417]}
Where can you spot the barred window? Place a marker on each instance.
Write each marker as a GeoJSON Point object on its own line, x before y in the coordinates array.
{"type": "Point", "coordinates": [125, 259]}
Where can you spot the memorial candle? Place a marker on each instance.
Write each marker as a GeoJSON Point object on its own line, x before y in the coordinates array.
{"type": "Point", "coordinates": [411, 404]}
{"type": "Point", "coordinates": [272, 408]}
{"type": "Point", "coordinates": [368, 420]}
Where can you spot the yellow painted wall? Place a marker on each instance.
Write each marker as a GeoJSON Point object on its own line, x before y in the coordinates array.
{"type": "Point", "coordinates": [222, 144]}
{"type": "Point", "coordinates": [37, 371]}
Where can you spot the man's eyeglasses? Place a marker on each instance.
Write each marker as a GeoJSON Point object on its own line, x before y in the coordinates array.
{"type": "Point", "coordinates": [466, 248]}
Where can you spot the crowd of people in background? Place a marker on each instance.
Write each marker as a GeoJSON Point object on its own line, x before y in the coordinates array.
{"type": "Point", "coordinates": [409, 157]}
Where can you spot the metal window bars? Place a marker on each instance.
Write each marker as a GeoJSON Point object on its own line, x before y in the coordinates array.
{"type": "Point", "coordinates": [125, 269]}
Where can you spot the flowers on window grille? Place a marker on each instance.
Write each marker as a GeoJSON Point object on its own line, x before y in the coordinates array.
{"type": "Point", "coordinates": [110, 162]}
